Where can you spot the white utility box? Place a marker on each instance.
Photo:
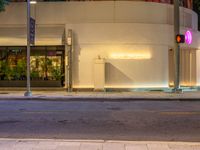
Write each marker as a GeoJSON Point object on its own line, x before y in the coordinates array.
{"type": "Point", "coordinates": [99, 74]}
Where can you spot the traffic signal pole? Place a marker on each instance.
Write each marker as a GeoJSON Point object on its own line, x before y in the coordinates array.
{"type": "Point", "coordinates": [176, 47]}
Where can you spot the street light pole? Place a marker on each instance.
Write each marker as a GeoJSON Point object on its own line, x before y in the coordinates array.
{"type": "Point", "coordinates": [176, 47]}
{"type": "Point", "coordinates": [28, 92]}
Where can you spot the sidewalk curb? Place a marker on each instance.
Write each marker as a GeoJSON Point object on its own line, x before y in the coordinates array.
{"type": "Point", "coordinates": [100, 99]}
{"type": "Point", "coordinates": [100, 141]}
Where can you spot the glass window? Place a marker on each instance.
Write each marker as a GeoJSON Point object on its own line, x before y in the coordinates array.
{"type": "Point", "coordinates": [46, 63]}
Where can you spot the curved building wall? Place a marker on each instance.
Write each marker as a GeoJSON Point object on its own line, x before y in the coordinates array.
{"type": "Point", "coordinates": [93, 12]}
{"type": "Point", "coordinates": [132, 37]}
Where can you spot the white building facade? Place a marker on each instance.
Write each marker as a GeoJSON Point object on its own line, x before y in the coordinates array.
{"type": "Point", "coordinates": [116, 44]}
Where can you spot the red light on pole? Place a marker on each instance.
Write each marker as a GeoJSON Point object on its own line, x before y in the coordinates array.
{"type": "Point", "coordinates": [180, 38]}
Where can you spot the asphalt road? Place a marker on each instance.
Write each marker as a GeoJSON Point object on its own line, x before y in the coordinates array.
{"type": "Point", "coordinates": [126, 120]}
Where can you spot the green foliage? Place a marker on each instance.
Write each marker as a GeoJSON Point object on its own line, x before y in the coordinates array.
{"type": "Point", "coordinates": [46, 66]}
{"type": "Point", "coordinates": [34, 74]}
{"type": "Point", "coordinates": [6, 70]}
{"type": "Point", "coordinates": [45, 63]}
{"type": "Point", "coordinates": [9, 73]}
{"type": "Point", "coordinates": [19, 71]}
{"type": "Point", "coordinates": [2, 4]}
{"type": "Point", "coordinates": [40, 70]}
{"type": "Point", "coordinates": [56, 73]}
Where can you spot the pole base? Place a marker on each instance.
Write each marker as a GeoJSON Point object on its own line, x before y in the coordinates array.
{"type": "Point", "coordinates": [177, 90]}
{"type": "Point", "coordinates": [28, 93]}
{"type": "Point", "coordinates": [69, 90]}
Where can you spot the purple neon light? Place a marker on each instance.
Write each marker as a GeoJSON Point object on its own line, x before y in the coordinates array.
{"type": "Point", "coordinates": [188, 37]}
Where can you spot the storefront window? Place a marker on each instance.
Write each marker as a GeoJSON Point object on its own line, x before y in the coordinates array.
{"type": "Point", "coordinates": [12, 63]}
{"type": "Point", "coordinates": [46, 63]}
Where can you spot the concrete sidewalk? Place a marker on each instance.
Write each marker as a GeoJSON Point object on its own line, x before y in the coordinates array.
{"type": "Point", "coordinates": [42, 144]}
{"type": "Point", "coordinates": [63, 95]}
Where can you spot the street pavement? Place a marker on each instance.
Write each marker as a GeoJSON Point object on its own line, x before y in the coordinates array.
{"type": "Point", "coordinates": [130, 120]}
{"type": "Point", "coordinates": [57, 120]}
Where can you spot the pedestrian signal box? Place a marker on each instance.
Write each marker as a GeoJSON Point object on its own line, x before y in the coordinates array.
{"type": "Point", "coordinates": [180, 38]}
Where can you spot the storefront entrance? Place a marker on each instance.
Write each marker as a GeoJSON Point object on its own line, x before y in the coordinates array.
{"type": "Point", "coordinates": [47, 66]}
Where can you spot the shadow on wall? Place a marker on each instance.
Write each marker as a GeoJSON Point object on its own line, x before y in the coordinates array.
{"type": "Point", "coordinates": [114, 77]}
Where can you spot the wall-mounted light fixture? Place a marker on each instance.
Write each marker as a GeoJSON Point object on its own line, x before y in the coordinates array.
{"type": "Point", "coordinates": [130, 56]}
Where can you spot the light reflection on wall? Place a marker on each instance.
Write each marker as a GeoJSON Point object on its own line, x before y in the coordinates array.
{"type": "Point", "coordinates": [132, 55]}
{"type": "Point", "coordinates": [162, 85]}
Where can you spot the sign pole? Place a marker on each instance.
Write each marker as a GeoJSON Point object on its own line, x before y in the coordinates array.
{"type": "Point", "coordinates": [176, 47]}
{"type": "Point", "coordinates": [28, 92]}
{"type": "Point", "coordinates": [69, 69]}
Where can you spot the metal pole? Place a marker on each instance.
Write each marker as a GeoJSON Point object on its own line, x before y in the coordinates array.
{"type": "Point", "coordinates": [28, 92]}
{"type": "Point", "coordinates": [176, 47]}
{"type": "Point", "coordinates": [69, 69]}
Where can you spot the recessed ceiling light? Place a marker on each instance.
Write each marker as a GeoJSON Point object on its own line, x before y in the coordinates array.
{"type": "Point", "coordinates": [33, 2]}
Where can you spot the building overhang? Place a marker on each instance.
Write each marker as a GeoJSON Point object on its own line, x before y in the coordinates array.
{"type": "Point", "coordinates": [45, 35]}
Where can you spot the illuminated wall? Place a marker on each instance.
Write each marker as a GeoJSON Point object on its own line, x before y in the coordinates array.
{"type": "Point", "coordinates": [198, 67]}
{"type": "Point", "coordinates": [131, 61]}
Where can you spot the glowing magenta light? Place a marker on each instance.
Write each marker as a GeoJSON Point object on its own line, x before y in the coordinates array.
{"type": "Point", "coordinates": [188, 37]}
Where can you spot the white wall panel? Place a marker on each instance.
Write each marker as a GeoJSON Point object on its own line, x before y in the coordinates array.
{"type": "Point", "coordinates": [106, 40]}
